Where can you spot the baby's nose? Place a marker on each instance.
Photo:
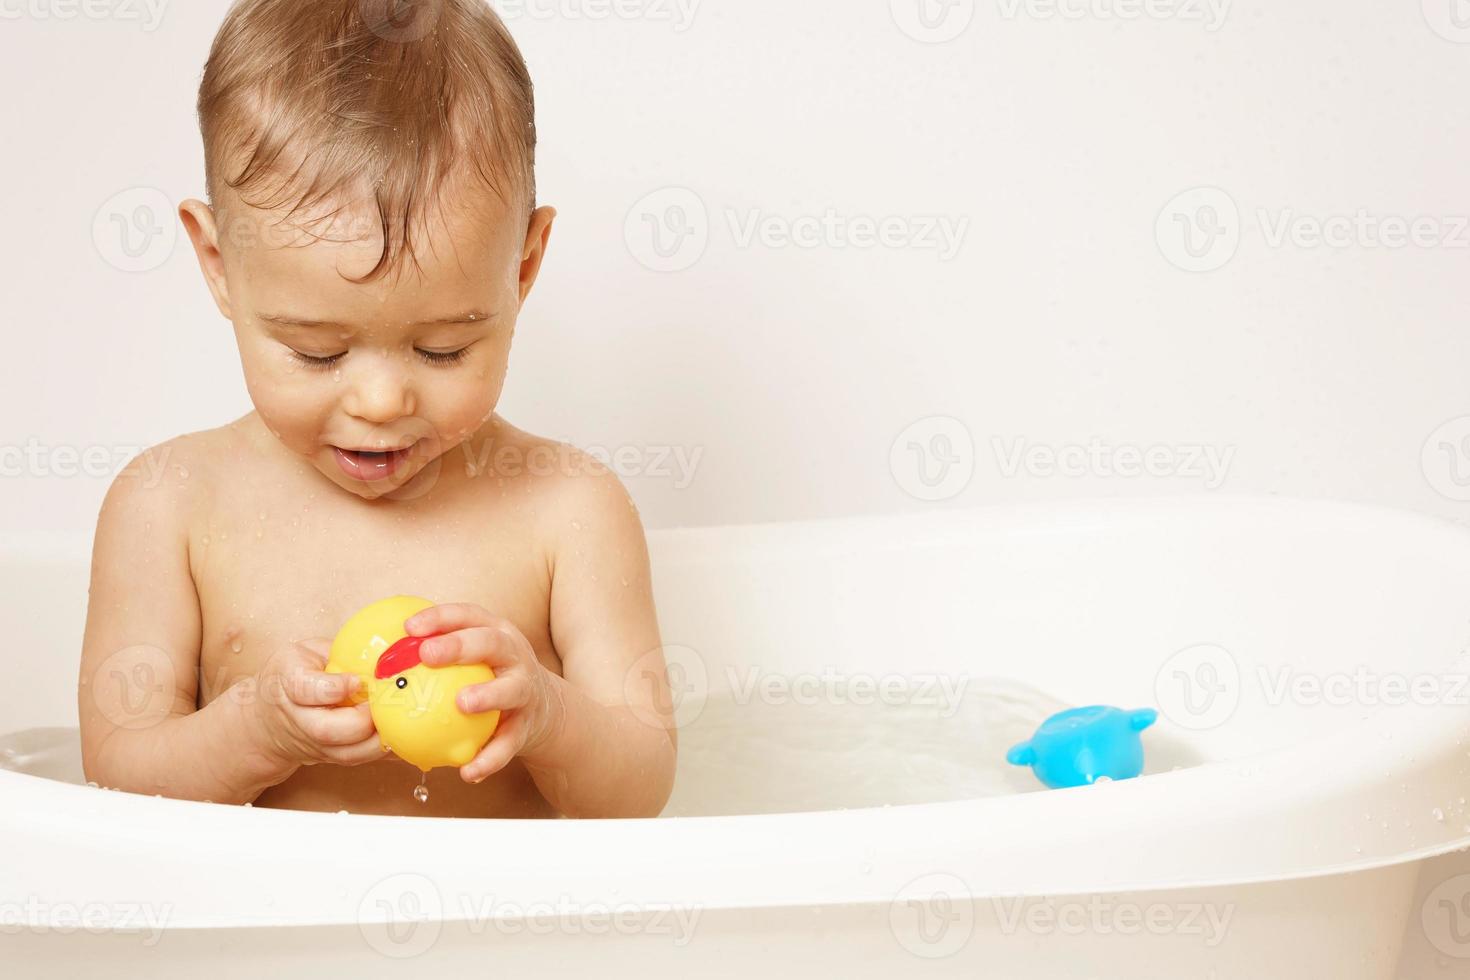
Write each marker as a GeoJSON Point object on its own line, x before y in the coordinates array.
{"type": "Point", "coordinates": [379, 391]}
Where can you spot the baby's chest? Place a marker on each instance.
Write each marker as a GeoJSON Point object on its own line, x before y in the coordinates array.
{"type": "Point", "coordinates": [265, 583]}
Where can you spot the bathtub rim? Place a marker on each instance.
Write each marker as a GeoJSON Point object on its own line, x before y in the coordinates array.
{"type": "Point", "coordinates": [842, 851]}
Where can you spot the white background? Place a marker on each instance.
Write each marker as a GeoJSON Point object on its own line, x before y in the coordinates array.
{"type": "Point", "coordinates": [790, 371]}
{"type": "Point", "coordinates": [1059, 139]}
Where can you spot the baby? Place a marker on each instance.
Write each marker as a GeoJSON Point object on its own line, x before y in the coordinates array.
{"type": "Point", "coordinates": [372, 235]}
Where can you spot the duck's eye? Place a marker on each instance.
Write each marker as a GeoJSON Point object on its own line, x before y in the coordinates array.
{"type": "Point", "coordinates": [402, 682]}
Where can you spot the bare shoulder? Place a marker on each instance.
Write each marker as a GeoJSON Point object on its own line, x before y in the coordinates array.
{"type": "Point", "coordinates": [162, 487]}
{"type": "Point", "coordinates": [573, 491]}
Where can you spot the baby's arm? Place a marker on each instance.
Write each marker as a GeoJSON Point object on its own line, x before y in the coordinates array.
{"type": "Point", "coordinates": [599, 740]}
{"type": "Point", "coordinates": [613, 749]}
{"type": "Point", "coordinates": [139, 679]}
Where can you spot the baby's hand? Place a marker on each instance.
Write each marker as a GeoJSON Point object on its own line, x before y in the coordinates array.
{"type": "Point", "coordinates": [299, 707]}
{"type": "Point", "coordinates": [523, 690]}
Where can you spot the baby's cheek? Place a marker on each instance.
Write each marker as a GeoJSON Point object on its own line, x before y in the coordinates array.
{"type": "Point", "coordinates": [289, 412]}
{"type": "Point", "coordinates": [471, 403]}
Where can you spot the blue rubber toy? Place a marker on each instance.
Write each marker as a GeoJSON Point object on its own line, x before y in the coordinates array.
{"type": "Point", "coordinates": [1079, 746]}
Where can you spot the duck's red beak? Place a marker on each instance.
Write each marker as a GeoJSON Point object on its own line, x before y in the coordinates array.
{"type": "Point", "coordinates": [399, 657]}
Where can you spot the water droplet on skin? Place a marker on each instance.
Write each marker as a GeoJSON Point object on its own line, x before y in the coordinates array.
{"type": "Point", "coordinates": [206, 541]}
{"type": "Point", "coordinates": [232, 637]}
{"type": "Point", "coordinates": [1438, 814]}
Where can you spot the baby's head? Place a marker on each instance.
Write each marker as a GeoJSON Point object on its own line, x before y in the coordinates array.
{"type": "Point", "coordinates": [371, 228]}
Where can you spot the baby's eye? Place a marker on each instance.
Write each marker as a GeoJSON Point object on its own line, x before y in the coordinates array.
{"type": "Point", "coordinates": [444, 357]}
{"type": "Point", "coordinates": [311, 360]}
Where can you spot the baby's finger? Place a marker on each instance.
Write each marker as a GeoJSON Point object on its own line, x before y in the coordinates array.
{"type": "Point", "coordinates": [313, 688]}
{"type": "Point", "coordinates": [370, 749]}
{"type": "Point", "coordinates": [505, 745]}
{"type": "Point", "coordinates": [475, 645]}
{"type": "Point", "coordinates": [338, 726]}
{"type": "Point", "coordinates": [508, 691]}
{"type": "Point", "coordinates": [450, 616]}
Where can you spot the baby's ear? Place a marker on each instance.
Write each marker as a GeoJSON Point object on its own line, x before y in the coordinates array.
{"type": "Point", "coordinates": [199, 221]}
{"type": "Point", "coordinates": [538, 232]}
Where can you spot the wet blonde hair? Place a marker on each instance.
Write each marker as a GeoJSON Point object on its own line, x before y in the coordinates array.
{"type": "Point", "coordinates": [306, 102]}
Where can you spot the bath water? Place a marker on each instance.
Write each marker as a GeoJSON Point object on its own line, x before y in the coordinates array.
{"type": "Point", "coordinates": [846, 749]}
{"type": "Point", "coordinates": [744, 753]}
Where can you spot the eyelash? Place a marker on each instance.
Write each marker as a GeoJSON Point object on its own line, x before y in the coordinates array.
{"type": "Point", "coordinates": [442, 358]}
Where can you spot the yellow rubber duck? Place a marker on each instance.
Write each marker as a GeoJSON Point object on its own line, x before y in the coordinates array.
{"type": "Point", "coordinates": [413, 704]}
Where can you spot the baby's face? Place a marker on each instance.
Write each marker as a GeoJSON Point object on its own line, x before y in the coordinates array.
{"type": "Point", "coordinates": [373, 382]}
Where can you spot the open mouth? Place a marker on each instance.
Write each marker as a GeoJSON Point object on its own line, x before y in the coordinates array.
{"type": "Point", "coordinates": [368, 465]}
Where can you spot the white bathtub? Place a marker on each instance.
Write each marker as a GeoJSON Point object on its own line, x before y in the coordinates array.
{"type": "Point", "coordinates": [1292, 851]}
